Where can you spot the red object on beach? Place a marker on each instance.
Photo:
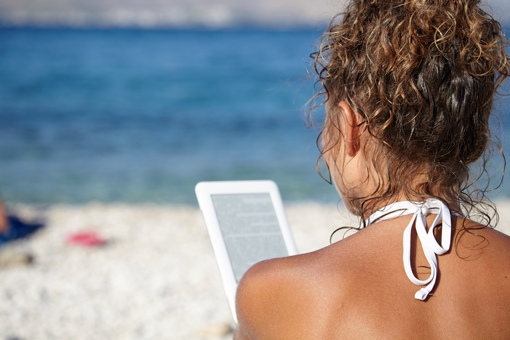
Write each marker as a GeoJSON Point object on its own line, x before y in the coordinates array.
{"type": "Point", "coordinates": [86, 239]}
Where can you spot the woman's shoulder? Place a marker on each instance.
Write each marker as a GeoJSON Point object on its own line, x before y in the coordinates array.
{"type": "Point", "coordinates": [486, 251]}
{"type": "Point", "coordinates": [475, 240]}
{"type": "Point", "coordinates": [294, 295]}
{"type": "Point", "coordinates": [302, 272]}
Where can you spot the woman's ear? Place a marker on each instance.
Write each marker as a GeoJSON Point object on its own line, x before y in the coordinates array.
{"type": "Point", "coordinates": [351, 128]}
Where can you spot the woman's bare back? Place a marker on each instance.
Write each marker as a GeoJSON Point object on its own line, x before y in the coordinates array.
{"type": "Point", "coordinates": [357, 288]}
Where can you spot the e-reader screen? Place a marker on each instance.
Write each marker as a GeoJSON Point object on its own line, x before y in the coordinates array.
{"type": "Point", "coordinates": [250, 229]}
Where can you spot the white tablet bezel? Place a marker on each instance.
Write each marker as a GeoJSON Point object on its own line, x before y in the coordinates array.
{"type": "Point", "coordinates": [205, 191]}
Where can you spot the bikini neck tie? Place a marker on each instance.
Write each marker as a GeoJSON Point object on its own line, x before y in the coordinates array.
{"type": "Point", "coordinates": [431, 247]}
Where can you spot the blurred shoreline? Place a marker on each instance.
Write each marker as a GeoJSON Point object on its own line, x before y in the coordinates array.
{"type": "Point", "coordinates": [177, 13]}
{"type": "Point", "coordinates": [169, 13]}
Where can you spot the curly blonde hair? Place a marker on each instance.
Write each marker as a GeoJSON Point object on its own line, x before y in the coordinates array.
{"type": "Point", "coordinates": [423, 75]}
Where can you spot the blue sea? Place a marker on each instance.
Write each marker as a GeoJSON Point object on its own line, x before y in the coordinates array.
{"type": "Point", "coordinates": [137, 116]}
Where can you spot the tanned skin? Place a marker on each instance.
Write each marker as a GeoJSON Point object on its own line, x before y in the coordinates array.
{"type": "Point", "coordinates": [357, 289]}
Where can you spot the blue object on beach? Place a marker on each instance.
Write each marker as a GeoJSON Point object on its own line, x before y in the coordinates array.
{"type": "Point", "coordinates": [18, 230]}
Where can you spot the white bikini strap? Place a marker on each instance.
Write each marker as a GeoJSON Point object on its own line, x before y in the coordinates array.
{"type": "Point", "coordinates": [431, 247]}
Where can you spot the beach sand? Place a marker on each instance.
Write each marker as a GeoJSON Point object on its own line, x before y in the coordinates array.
{"type": "Point", "coordinates": [155, 278]}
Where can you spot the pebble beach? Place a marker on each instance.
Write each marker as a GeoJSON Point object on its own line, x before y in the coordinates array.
{"type": "Point", "coordinates": [153, 274]}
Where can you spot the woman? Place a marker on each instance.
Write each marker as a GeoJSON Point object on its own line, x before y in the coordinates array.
{"type": "Point", "coordinates": [409, 87]}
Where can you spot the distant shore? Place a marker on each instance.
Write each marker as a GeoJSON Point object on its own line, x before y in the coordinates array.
{"type": "Point", "coordinates": [220, 13]}
{"type": "Point", "coordinates": [155, 278]}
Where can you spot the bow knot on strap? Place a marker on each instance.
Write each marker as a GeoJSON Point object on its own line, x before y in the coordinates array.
{"type": "Point", "coordinates": [431, 247]}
